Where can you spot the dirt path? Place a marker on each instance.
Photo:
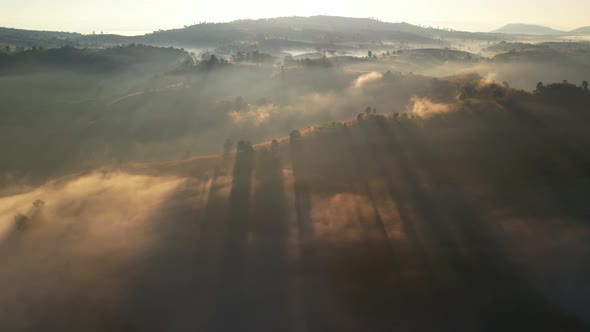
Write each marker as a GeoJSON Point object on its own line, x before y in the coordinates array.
{"type": "Point", "coordinates": [139, 93]}
{"type": "Point", "coordinates": [176, 162]}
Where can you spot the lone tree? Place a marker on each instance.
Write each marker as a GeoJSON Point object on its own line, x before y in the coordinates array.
{"type": "Point", "coordinates": [585, 85]}
{"type": "Point", "coordinates": [539, 86]}
{"type": "Point", "coordinates": [228, 145]}
{"type": "Point", "coordinates": [239, 103]}
{"type": "Point", "coordinates": [213, 59]}
{"type": "Point", "coordinates": [370, 54]}
{"type": "Point", "coordinates": [274, 146]}
{"type": "Point", "coordinates": [21, 222]}
{"type": "Point", "coordinates": [295, 136]}
{"type": "Point", "coordinates": [38, 204]}
{"type": "Point", "coordinates": [368, 110]}
{"type": "Point", "coordinates": [245, 147]}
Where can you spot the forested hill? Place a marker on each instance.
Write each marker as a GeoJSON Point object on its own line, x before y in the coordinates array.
{"type": "Point", "coordinates": [332, 29]}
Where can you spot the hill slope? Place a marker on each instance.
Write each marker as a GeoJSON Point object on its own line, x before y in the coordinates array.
{"type": "Point", "coordinates": [528, 29]}
{"type": "Point", "coordinates": [324, 30]}
{"type": "Point", "coordinates": [29, 38]}
{"type": "Point", "coordinates": [582, 30]}
{"type": "Point", "coordinates": [315, 28]}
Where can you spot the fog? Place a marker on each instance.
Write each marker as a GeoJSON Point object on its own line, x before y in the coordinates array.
{"type": "Point", "coordinates": [294, 174]}
{"type": "Point", "coordinates": [279, 231]}
{"type": "Point", "coordinates": [95, 119]}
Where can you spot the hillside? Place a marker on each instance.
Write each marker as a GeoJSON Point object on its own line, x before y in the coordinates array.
{"type": "Point", "coordinates": [89, 60]}
{"type": "Point", "coordinates": [323, 31]}
{"type": "Point", "coordinates": [582, 30]}
{"type": "Point", "coordinates": [297, 174]}
{"type": "Point", "coordinates": [528, 29]}
{"type": "Point", "coordinates": [30, 38]}
{"type": "Point", "coordinates": [330, 29]}
{"type": "Point", "coordinates": [379, 222]}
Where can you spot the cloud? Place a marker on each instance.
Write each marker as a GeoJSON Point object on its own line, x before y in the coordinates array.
{"type": "Point", "coordinates": [365, 79]}
{"type": "Point", "coordinates": [102, 202]}
{"type": "Point", "coordinates": [425, 107]}
{"type": "Point", "coordinates": [253, 116]}
{"type": "Point", "coordinates": [338, 216]}
{"type": "Point", "coordinates": [79, 249]}
{"type": "Point", "coordinates": [488, 79]}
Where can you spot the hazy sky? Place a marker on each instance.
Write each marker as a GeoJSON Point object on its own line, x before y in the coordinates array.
{"type": "Point", "coordinates": [136, 16]}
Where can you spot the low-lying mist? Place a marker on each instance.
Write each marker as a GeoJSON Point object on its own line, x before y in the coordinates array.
{"type": "Point", "coordinates": [315, 230]}
{"type": "Point", "coordinates": [414, 189]}
{"type": "Point", "coordinates": [167, 106]}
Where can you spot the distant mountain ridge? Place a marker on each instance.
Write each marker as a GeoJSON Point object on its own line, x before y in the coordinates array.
{"type": "Point", "coordinates": [321, 30]}
{"type": "Point", "coordinates": [534, 29]}
{"type": "Point", "coordinates": [318, 29]}
{"type": "Point", "coordinates": [29, 38]}
{"type": "Point", "coordinates": [295, 32]}
{"type": "Point", "coordinates": [528, 29]}
{"type": "Point", "coordinates": [582, 30]}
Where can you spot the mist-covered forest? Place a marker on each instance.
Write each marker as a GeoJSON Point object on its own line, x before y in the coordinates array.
{"type": "Point", "coordinates": [294, 174]}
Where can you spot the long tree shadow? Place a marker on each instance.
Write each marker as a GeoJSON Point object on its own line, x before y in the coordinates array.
{"type": "Point", "coordinates": [308, 263]}
{"type": "Point", "coordinates": [212, 226]}
{"type": "Point", "coordinates": [420, 252]}
{"type": "Point", "coordinates": [168, 285]}
{"type": "Point", "coordinates": [366, 285]}
{"type": "Point", "coordinates": [176, 285]}
{"type": "Point", "coordinates": [475, 260]}
{"type": "Point", "coordinates": [564, 152]}
{"type": "Point", "coordinates": [269, 270]}
{"type": "Point", "coordinates": [376, 225]}
{"type": "Point", "coordinates": [232, 309]}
